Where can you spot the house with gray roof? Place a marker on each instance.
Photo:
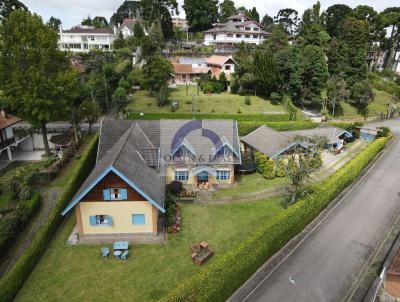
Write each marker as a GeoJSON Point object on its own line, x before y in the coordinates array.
{"type": "Point", "coordinates": [124, 194]}
{"type": "Point", "coordinates": [275, 144]}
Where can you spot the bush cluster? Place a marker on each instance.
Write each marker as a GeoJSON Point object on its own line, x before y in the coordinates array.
{"type": "Point", "coordinates": [220, 279]}
{"type": "Point", "coordinates": [12, 221]}
{"type": "Point", "coordinates": [14, 279]}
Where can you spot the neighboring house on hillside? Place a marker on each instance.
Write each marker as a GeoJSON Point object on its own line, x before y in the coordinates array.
{"type": "Point", "coordinates": [77, 63]}
{"type": "Point", "coordinates": [124, 195]}
{"type": "Point", "coordinates": [186, 73]}
{"type": "Point", "coordinates": [180, 23]}
{"type": "Point", "coordinates": [239, 28]}
{"type": "Point", "coordinates": [126, 28]}
{"type": "Point", "coordinates": [84, 38]}
{"type": "Point", "coordinates": [220, 64]}
{"type": "Point", "coordinates": [10, 138]}
{"type": "Point", "coordinates": [195, 67]}
{"type": "Point", "coordinates": [276, 144]}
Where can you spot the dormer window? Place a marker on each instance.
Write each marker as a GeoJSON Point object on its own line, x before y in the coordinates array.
{"type": "Point", "coordinates": [256, 29]}
{"type": "Point", "coordinates": [247, 28]}
{"type": "Point", "coordinates": [225, 151]}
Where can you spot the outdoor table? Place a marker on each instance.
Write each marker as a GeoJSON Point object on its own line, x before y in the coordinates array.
{"type": "Point", "coordinates": [117, 253]}
{"type": "Point", "coordinates": [121, 245]}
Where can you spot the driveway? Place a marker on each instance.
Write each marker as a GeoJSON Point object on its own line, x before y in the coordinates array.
{"type": "Point", "coordinates": [326, 264]}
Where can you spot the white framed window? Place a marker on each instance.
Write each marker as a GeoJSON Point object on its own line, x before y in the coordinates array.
{"type": "Point", "coordinates": [181, 175]}
{"type": "Point", "coordinates": [92, 38]}
{"type": "Point", "coordinates": [256, 28]}
{"type": "Point", "coordinates": [223, 174]}
{"type": "Point", "coordinates": [247, 28]}
{"type": "Point", "coordinates": [115, 194]}
{"type": "Point", "coordinates": [238, 35]}
{"type": "Point", "coordinates": [227, 67]}
{"type": "Point", "coordinates": [100, 220]}
{"type": "Point", "coordinates": [255, 36]}
{"type": "Point", "coordinates": [247, 36]}
{"type": "Point", "coordinates": [229, 35]}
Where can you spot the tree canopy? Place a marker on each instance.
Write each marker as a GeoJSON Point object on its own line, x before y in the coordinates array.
{"type": "Point", "coordinates": [201, 14]}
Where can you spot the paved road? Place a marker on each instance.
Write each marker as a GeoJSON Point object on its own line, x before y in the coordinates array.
{"type": "Point", "coordinates": [325, 265]}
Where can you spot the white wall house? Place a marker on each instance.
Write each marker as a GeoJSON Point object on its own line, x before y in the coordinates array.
{"type": "Point", "coordinates": [85, 38]}
{"type": "Point", "coordinates": [126, 28]}
{"type": "Point", "coordinates": [239, 28]}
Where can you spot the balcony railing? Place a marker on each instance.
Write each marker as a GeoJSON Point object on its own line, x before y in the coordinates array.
{"type": "Point", "coordinates": [7, 143]}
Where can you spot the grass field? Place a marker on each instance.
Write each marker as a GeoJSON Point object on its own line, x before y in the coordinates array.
{"type": "Point", "coordinates": [249, 183]}
{"type": "Point", "coordinates": [223, 103]}
{"type": "Point", "coordinates": [381, 100]}
{"type": "Point", "coordinates": [78, 273]}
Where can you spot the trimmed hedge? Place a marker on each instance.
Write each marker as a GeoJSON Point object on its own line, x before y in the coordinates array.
{"type": "Point", "coordinates": [12, 282]}
{"type": "Point", "coordinates": [239, 117]}
{"type": "Point", "coordinates": [247, 127]}
{"type": "Point", "coordinates": [217, 281]}
{"type": "Point", "coordinates": [344, 125]}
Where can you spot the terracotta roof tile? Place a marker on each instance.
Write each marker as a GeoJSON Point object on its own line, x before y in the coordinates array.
{"type": "Point", "coordinates": [8, 120]}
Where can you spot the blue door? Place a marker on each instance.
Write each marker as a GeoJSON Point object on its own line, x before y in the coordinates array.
{"type": "Point", "coordinates": [202, 176]}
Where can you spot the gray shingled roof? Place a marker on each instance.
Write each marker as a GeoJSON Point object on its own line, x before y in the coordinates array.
{"type": "Point", "coordinates": [272, 142]}
{"type": "Point", "coordinates": [202, 145]}
{"type": "Point", "coordinates": [126, 159]}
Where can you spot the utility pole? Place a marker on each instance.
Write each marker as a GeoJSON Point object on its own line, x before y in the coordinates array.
{"type": "Point", "coordinates": [193, 106]}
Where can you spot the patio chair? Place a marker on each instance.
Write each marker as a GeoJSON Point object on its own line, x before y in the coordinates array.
{"type": "Point", "coordinates": [124, 255]}
{"type": "Point", "coordinates": [105, 251]}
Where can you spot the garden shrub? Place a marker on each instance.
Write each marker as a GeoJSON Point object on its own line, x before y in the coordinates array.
{"type": "Point", "coordinates": [280, 169]}
{"type": "Point", "coordinates": [247, 100]}
{"type": "Point", "coordinates": [14, 279]}
{"type": "Point", "coordinates": [175, 187]}
{"type": "Point", "coordinates": [383, 132]}
{"type": "Point", "coordinates": [269, 171]}
{"type": "Point", "coordinates": [276, 98]}
{"type": "Point", "coordinates": [218, 280]}
{"type": "Point", "coordinates": [261, 162]}
{"type": "Point", "coordinates": [13, 220]}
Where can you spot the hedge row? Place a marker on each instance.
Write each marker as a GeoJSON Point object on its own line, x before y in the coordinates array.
{"type": "Point", "coordinates": [344, 125]}
{"type": "Point", "coordinates": [12, 282]}
{"type": "Point", "coordinates": [217, 281]}
{"type": "Point", "coordinates": [239, 117]}
{"type": "Point", "coordinates": [247, 127]}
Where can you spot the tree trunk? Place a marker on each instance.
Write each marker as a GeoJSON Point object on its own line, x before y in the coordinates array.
{"type": "Point", "coordinates": [389, 50]}
{"type": "Point", "coordinates": [90, 127]}
{"type": "Point", "coordinates": [45, 140]}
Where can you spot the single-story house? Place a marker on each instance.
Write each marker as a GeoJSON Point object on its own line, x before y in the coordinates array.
{"type": "Point", "coordinates": [125, 192]}
{"type": "Point", "coordinates": [275, 144]}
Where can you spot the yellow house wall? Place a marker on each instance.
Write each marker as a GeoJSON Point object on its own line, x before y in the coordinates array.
{"type": "Point", "coordinates": [170, 175]}
{"type": "Point", "coordinates": [121, 213]}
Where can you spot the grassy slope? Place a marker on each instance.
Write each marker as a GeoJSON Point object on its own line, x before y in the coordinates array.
{"type": "Point", "coordinates": [381, 100]}
{"type": "Point", "coordinates": [77, 273]}
{"type": "Point", "coordinates": [249, 183]}
{"type": "Point", "coordinates": [224, 103]}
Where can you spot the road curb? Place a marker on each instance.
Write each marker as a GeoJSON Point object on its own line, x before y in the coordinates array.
{"type": "Point", "coordinates": [243, 292]}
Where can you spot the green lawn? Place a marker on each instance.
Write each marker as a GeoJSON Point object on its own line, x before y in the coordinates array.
{"type": "Point", "coordinates": [223, 103]}
{"type": "Point", "coordinates": [77, 273]}
{"type": "Point", "coordinates": [249, 183]}
{"type": "Point", "coordinates": [381, 100]}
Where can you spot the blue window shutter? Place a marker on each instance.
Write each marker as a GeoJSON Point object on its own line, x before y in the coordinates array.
{"type": "Point", "coordinates": [92, 220]}
{"type": "Point", "coordinates": [106, 194]}
{"type": "Point", "coordinates": [110, 221]}
{"type": "Point", "coordinates": [124, 194]}
{"type": "Point", "coordinates": [138, 218]}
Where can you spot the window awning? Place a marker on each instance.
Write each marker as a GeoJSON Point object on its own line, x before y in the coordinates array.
{"type": "Point", "coordinates": [207, 169]}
